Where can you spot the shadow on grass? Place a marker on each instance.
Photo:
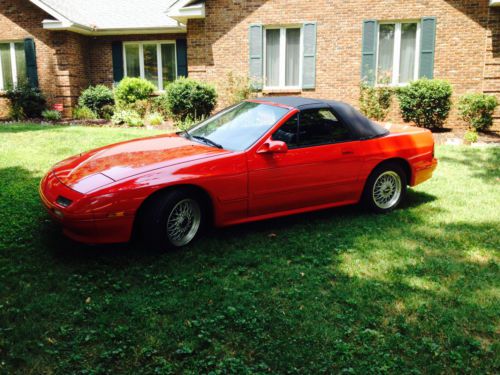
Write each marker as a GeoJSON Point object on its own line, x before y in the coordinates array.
{"type": "Point", "coordinates": [483, 165]}
{"type": "Point", "coordinates": [69, 251]}
{"type": "Point", "coordinates": [331, 290]}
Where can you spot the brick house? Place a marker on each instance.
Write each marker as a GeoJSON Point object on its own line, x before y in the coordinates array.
{"type": "Point", "coordinates": [319, 49]}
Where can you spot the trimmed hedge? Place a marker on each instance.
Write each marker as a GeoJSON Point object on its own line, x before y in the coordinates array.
{"type": "Point", "coordinates": [477, 110]}
{"type": "Point", "coordinates": [26, 101]}
{"type": "Point", "coordinates": [190, 98]}
{"type": "Point", "coordinates": [426, 102]}
{"type": "Point", "coordinates": [96, 98]}
{"type": "Point", "coordinates": [131, 90]}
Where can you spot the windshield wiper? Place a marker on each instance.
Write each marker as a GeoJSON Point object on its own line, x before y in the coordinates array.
{"type": "Point", "coordinates": [204, 139]}
{"type": "Point", "coordinates": [185, 133]}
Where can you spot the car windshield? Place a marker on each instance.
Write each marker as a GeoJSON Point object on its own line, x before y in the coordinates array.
{"type": "Point", "coordinates": [238, 127]}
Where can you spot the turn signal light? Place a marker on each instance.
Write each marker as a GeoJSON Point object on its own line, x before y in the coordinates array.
{"type": "Point", "coordinates": [64, 202]}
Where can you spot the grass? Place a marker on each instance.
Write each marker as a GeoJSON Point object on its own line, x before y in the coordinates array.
{"type": "Point", "coordinates": [337, 291]}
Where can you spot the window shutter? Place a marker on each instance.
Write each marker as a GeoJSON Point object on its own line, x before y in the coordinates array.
{"type": "Point", "coordinates": [255, 43]}
{"type": "Point", "coordinates": [309, 58]}
{"type": "Point", "coordinates": [118, 71]}
{"type": "Point", "coordinates": [182, 64]}
{"type": "Point", "coordinates": [31, 69]}
{"type": "Point", "coordinates": [369, 52]}
{"type": "Point", "coordinates": [427, 45]}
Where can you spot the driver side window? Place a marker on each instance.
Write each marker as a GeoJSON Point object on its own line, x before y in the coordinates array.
{"type": "Point", "coordinates": [320, 127]}
{"type": "Point", "coordinates": [288, 132]}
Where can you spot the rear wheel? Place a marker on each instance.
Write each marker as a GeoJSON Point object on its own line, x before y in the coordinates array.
{"type": "Point", "coordinates": [385, 188]}
{"type": "Point", "coordinates": [171, 220]}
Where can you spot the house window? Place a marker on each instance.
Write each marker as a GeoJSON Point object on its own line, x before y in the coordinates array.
{"type": "Point", "coordinates": [282, 57]}
{"type": "Point", "coordinates": [154, 61]}
{"type": "Point", "coordinates": [398, 52]}
{"type": "Point", "coordinates": [12, 64]}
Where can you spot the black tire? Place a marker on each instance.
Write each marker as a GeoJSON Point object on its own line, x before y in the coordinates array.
{"type": "Point", "coordinates": [155, 216]}
{"type": "Point", "coordinates": [388, 171]}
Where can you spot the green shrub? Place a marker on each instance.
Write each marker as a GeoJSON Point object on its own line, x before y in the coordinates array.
{"type": "Point", "coordinates": [51, 115]}
{"type": "Point", "coordinates": [160, 105]}
{"type": "Point", "coordinates": [155, 119]}
{"type": "Point", "coordinates": [477, 110]}
{"type": "Point", "coordinates": [237, 89]}
{"type": "Point", "coordinates": [26, 101]}
{"type": "Point", "coordinates": [127, 117]}
{"type": "Point", "coordinates": [142, 107]}
{"type": "Point", "coordinates": [96, 98]}
{"type": "Point", "coordinates": [84, 113]}
{"type": "Point", "coordinates": [375, 102]}
{"type": "Point", "coordinates": [426, 102]}
{"type": "Point", "coordinates": [188, 122]}
{"type": "Point", "coordinates": [471, 136]}
{"type": "Point", "coordinates": [107, 112]}
{"type": "Point", "coordinates": [130, 90]}
{"type": "Point", "coordinates": [187, 97]}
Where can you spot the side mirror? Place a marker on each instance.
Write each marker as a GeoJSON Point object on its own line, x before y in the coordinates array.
{"type": "Point", "coordinates": [273, 147]}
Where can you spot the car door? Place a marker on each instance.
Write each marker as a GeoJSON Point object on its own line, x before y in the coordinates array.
{"type": "Point", "coordinates": [320, 167]}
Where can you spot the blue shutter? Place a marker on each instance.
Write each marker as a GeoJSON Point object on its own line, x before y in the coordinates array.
{"type": "Point", "coordinates": [309, 57]}
{"type": "Point", "coordinates": [255, 45]}
{"type": "Point", "coordinates": [182, 63]}
{"type": "Point", "coordinates": [369, 52]}
{"type": "Point", "coordinates": [427, 46]}
{"type": "Point", "coordinates": [118, 71]}
{"type": "Point", "coordinates": [31, 69]}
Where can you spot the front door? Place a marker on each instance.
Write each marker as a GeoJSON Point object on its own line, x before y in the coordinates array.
{"type": "Point", "coordinates": [321, 166]}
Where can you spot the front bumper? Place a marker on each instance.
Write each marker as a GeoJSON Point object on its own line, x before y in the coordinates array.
{"type": "Point", "coordinates": [78, 222]}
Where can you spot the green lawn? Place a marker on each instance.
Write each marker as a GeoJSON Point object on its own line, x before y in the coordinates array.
{"type": "Point", "coordinates": [337, 291]}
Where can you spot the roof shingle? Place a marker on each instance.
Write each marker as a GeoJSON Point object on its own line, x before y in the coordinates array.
{"type": "Point", "coordinates": [114, 14]}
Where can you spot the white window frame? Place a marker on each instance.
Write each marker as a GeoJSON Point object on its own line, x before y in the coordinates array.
{"type": "Point", "coordinates": [282, 62]}
{"type": "Point", "coordinates": [13, 63]}
{"type": "Point", "coordinates": [158, 57]}
{"type": "Point", "coordinates": [397, 51]}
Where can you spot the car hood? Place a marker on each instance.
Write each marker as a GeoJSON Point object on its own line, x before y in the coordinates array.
{"type": "Point", "coordinates": [106, 165]}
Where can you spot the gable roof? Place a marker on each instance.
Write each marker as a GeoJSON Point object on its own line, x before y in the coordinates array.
{"type": "Point", "coordinates": [109, 16]}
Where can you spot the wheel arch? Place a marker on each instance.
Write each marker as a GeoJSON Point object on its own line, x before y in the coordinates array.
{"type": "Point", "coordinates": [402, 162]}
{"type": "Point", "coordinates": [200, 193]}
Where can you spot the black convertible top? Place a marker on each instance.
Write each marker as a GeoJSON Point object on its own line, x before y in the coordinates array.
{"type": "Point", "coordinates": [359, 124]}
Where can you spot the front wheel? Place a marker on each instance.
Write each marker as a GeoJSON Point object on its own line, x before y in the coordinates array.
{"type": "Point", "coordinates": [385, 188]}
{"type": "Point", "coordinates": [171, 220]}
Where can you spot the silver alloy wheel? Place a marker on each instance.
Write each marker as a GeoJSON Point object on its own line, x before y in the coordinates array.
{"type": "Point", "coordinates": [387, 190]}
{"type": "Point", "coordinates": [183, 222]}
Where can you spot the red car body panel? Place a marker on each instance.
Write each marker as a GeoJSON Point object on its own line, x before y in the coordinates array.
{"type": "Point", "coordinates": [107, 186]}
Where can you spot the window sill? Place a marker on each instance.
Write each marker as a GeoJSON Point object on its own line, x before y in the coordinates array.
{"type": "Point", "coordinates": [393, 85]}
{"type": "Point", "coordinates": [281, 90]}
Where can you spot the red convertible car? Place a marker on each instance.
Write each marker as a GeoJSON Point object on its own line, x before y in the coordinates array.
{"type": "Point", "coordinates": [256, 160]}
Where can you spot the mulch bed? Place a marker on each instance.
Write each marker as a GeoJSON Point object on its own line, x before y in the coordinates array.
{"type": "Point", "coordinates": [456, 136]}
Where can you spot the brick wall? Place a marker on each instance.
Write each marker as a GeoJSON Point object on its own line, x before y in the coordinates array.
{"type": "Point", "coordinates": [219, 44]}
{"type": "Point", "coordinates": [491, 81]}
{"type": "Point", "coordinates": [61, 56]}
{"type": "Point", "coordinates": [67, 62]}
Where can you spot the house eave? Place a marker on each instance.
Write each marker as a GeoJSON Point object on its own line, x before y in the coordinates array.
{"type": "Point", "coordinates": [184, 13]}
{"type": "Point", "coordinates": [56, 25]}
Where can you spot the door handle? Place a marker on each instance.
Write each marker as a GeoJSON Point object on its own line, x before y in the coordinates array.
{"type": "Point", "coordinates": [347, 151]}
